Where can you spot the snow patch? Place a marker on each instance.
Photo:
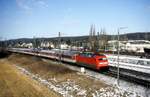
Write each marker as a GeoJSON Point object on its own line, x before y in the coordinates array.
{"type": "Point", "coordinates": [66, 89]}
{"type": "Point", "coordinates": [112, 92]}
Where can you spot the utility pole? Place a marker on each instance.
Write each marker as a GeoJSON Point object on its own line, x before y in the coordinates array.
{"type": "Point", "coordinates": [59, 40]}
{"type": "Point", "coordinates": [34, 43]}
{"type": "Point", "coordinates": [113, 47]}
{"type": "Point", "coordinates": [59, 46]}
{"type": "Point", "coordinates": [118, 50]}
{"type": "Point", "coordinates": [118, 59]}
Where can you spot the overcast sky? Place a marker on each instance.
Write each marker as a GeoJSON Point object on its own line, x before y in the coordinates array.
{"type": "Point", "coordinates": [45, 18]}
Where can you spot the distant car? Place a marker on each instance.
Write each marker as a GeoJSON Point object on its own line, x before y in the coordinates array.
{"type": "Point", "coordinates": [92, 60]}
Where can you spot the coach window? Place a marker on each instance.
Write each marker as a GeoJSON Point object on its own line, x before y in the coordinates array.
{"type": "Point", "coordinates": [82, 54]}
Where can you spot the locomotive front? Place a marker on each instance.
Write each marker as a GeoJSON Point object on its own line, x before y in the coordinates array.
{"type": "Point", "coordinates": [101, 62]}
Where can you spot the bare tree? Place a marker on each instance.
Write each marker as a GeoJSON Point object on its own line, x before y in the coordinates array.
{"type": "Point", "coordinates": [99, 40]}
{"type": "Point", "coordinates": [103, 39]}
{"type": "Point", "coordinates": [90, 36]}
{"type": "Point", "coordinates": [93, 39]}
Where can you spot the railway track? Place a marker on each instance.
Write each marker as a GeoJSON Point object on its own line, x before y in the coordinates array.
{"type": "Point", "coordinates": [131, 76]}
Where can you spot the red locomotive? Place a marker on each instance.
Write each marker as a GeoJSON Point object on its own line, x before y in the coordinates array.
{"type": "Point", "coordinates": [92, 60]}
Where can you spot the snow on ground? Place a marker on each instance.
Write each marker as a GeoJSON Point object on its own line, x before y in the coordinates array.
{"type": "Point", "coordinates": [124, 85]}
{"type": "Point", "coordinates": [112, 92]}
{"type": "Point", "coordinates": [66, 89]}
{"type": "Point", "coordinates": [135, 89]}
{"type": "Point", "coordinates": [71, 89]}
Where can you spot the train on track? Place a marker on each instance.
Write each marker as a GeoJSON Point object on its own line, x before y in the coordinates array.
{"type": "Point", "coordinates": [87, 59]}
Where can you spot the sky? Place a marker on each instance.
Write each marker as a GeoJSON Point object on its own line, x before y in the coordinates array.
{"type": "Point", "coordinates": [45, 18]}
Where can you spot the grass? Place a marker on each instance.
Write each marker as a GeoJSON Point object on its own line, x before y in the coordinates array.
{"type": "Point", "coordinates": [15, 84]}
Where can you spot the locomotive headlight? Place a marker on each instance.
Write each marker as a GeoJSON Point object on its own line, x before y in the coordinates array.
{"type": "Point", "coordinates": [103, 63]}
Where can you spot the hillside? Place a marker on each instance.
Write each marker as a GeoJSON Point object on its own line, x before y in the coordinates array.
{"type": "Point", "coordinates": [129, 36]}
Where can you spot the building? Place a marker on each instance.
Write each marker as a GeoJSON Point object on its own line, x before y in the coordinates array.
{"type": "Point", "coordinates": [131, 45]}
